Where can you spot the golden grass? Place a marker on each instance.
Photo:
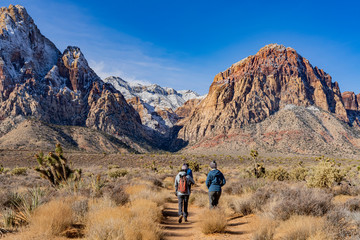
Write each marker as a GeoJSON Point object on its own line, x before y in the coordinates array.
{"type": "Point", "coordinates": [53, 218]}
{"type": "Point", "coordinates": [212, 221]}
{"type": "Point", "coordinates": [300, 227]}
{"type": "Point", "coordinates": [140, 220]}
{"type": "Point", "coordinates": [199, 199]}
{"type": "Point", "coordinates": [149, 193]}
{"type": "Point", "coordinates": [265, 229]}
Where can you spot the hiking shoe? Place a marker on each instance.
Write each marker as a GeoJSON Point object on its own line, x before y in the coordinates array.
{"type": "Point", "coordinates": [180, 218]}
{"type": "Point", "coordinates": [185, 219]}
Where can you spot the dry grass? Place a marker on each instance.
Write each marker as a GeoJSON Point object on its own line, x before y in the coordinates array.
{"type": "Point", "coordinates": [212, 221]}
{"type": "Point", "coordinates": [265, 229]}
{"type": "Point", "coordinates": [138, 221]}
{"type": "Point", "coordinates": [200, 199]}
{"type": "Point", "coordinates": [300, 228]}
{"type": "Point", "coordinates": [53, 218]}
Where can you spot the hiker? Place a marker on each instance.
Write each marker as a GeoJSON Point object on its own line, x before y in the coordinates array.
{"type": "Point", "coordinates": [188, 170]}
{"type": "Point", "coordinates": [214, 181]}
{"type": "Point", "coordinates": [182, 191]}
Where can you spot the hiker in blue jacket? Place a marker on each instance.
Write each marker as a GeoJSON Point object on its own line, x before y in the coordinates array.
{"type": "Point", "coordinates": [214, 181]}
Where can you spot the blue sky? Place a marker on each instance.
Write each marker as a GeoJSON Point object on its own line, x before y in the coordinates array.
{"type": "Point", "coordinates": [183, 44]}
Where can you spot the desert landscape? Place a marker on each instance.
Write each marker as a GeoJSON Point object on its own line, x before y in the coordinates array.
{"type": "Point", "coordinates": [83, 156]}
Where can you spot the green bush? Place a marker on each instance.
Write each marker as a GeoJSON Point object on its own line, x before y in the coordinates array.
{"type": "Point", "coordinates": [1, 169]}
{"type": "Point", "coordinates": [279, 174]}
{"type": "Point", "coordinates": [194, 165]}
{"type": "Point", "coordinates": [117, 173]}
{"type": "Point", "coordinates": [19, 171]}
{"type": "Point", "coordinates": [325, 175]}
{"type": "Point", "coordinates": [299, 174]}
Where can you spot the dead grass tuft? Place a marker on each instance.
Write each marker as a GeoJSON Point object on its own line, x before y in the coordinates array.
{"type": "Point", "coordinates": [299, 227]}
{"type": "Point", "coordinates": [212, 221]}
{"type": "Point", "coordinates": [53, 218]}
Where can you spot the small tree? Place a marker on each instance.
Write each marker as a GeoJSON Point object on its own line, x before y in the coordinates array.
{"type": "Point", "coordinates": [54, 168]}
{"type": "Point", "coordinates": [259, 169]}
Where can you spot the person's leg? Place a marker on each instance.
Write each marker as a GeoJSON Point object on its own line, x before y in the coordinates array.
{"type": "Point", "coordinates": [180, 200]}
{"type": "Point", "coordinates": [186, 202]}
{"type": "Point", "coordinates": [211, 199]}
{"type": "Point", "coordinates": [216, 198]}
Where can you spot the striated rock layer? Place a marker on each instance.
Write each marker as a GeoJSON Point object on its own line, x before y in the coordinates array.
{"type": "Point", "coordinates": [37, 80]}
{"type": "Point", "coordinates": [257, 87]}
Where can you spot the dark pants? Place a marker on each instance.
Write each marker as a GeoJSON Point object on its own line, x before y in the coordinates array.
{"type": "Point", "coordinates": [214, 198]}
{"type": "Point", "coordinates": [183, 202]}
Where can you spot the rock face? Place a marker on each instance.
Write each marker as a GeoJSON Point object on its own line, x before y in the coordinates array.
{"type": "Point", "coordinates": [185, 110]}
{"type": "Point", "coordinates": [351, 103]}
{"type": "Point", "coordinates": [291, 130]}
{"type": "Point", "coordinates": [257, 87]}
{"type": "Point", "coordinates": [37, 80]}
{"type": "Point", "coordinates": [156, 105]}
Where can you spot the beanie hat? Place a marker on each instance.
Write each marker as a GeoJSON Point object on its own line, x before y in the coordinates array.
{"type": "Point", "coordinates": [213, 164]}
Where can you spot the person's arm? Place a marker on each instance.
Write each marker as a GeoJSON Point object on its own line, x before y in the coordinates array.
{"type": "Point", "coordinates": [223, 180]}
{"type": "Point", "coordinates": [208, 181]}
{"type": "Point", "coordinates": [191, 180]}
{"type": "Point", "coordinates": [191, 174]}
{"type": "Point", "coordinates": [176, 183]}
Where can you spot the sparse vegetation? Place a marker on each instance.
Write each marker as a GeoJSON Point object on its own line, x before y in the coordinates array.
{"type": "Point", "coordinates": [117, 173]}
{"type": "Point", "coordinates": [213, 221]}
{"type": "Point", "coordinates": [54, 168]}
{"type": "Point", "coordinates": [19, 171]}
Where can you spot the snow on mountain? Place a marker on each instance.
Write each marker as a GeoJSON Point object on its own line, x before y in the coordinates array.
{"type": "Point", "coordinates": [156, 105]}
{"type": "Point", "coordinates": [154, 95]}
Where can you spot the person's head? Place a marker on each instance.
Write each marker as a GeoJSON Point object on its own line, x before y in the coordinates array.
{"type": "Point", "coordinates": [184, 167]}
{"type": "Point", "coordinates": [213, 165]}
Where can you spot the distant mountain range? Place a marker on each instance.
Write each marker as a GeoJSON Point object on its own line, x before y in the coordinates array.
{"type": "Point", "coordinates": [274, 101]}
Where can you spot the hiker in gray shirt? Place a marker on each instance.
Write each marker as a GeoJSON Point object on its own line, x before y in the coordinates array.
{"type": "Point", "coordinates": [182, 191]}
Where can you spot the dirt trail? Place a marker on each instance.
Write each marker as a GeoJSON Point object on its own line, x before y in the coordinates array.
{"type": "Point", "coordinates": [239, 227]}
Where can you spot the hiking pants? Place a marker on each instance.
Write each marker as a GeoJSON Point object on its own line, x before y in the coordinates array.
{"type": "Point", "coordinates": [214, 198]}
{"type": "Point", "coordinates": [183, 202]}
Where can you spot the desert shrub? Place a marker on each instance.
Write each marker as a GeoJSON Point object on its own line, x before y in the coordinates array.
{"type": "Point", "coordinates": [279, 174]}
{"type": "Point", "coordinates": [352, 204]}
{"type": "Point", "coordinates": [212, 221]}
{"type": "Point", "coordinates": [80, 207]}
{"type": "Point", "coordinates": [194, 165]}
{"type": "Point", "coordinates": [22, 205]}
{"type": "Point", "coordinates": [54, 167]}
{"type": "Point", "coordinates": [1, 169]}
{"type": "Point", "coordinates": [265, 230]}
{"type": "Point", "coordinates": [345, 188]}
{"type": "Point", "coordinates": [300, 201]}
{"type": "Point", "coordinates": [325, 174]}
{"type": "Point", "coordinates": [244, 185]}
{"type": "Point", "coordinates": [119, 196]}
{"type": "Point", "coordinates": [106, 222]}
{"type": "Point", "coordinates": [261, 197]}
{"type": "Point", "coordinates": [147, 192]}
{"type": "Point", "coordinates": [299, 174]}
{"type": "Point", "coordinates": [19, 171]}
{"type": "Point", "coordinates": [242, 205]}
{"type": "Point", "coordinates": [299, 227]}
{"type": "Point", "coordinates": [199, 198]}
{"type": "Point", "coordinates": [53, 218]}
{"type": "Point", "coordinates": [144, 208]}
{"type": "Point", "coordinates": [339, 224]}
{"type": "Point", "coordinates": [111, 166]}
{"type": "Point", "coordinates": [117, 173]}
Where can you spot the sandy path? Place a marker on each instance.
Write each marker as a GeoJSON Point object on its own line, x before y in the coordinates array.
{"type": "Point", "coordinates": [239, 227]}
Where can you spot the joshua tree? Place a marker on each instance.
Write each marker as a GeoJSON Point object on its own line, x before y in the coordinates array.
{"type": "Point", "coordinates": [54, 168]}
{"type": "Point", "coordinates": [259, 170]}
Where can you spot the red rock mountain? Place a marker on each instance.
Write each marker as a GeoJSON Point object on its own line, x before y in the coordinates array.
{"type": "Point", "coordinates": [257, 87]}
{"type": "Point", "coordinates": [37, 80]}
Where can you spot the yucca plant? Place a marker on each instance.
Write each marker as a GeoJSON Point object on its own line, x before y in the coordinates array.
{"type": "Point", "coordinates": [54, 168]}
{"type": "Point", "coordinates": [23, 205]}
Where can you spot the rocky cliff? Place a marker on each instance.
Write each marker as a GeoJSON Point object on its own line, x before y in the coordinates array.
{"type": "Point", "coordinates": [257, 87]}
{"type": "Point", "coordinates": [156, 105]}
{"type": "Point", "coordinates": [37, 80]}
